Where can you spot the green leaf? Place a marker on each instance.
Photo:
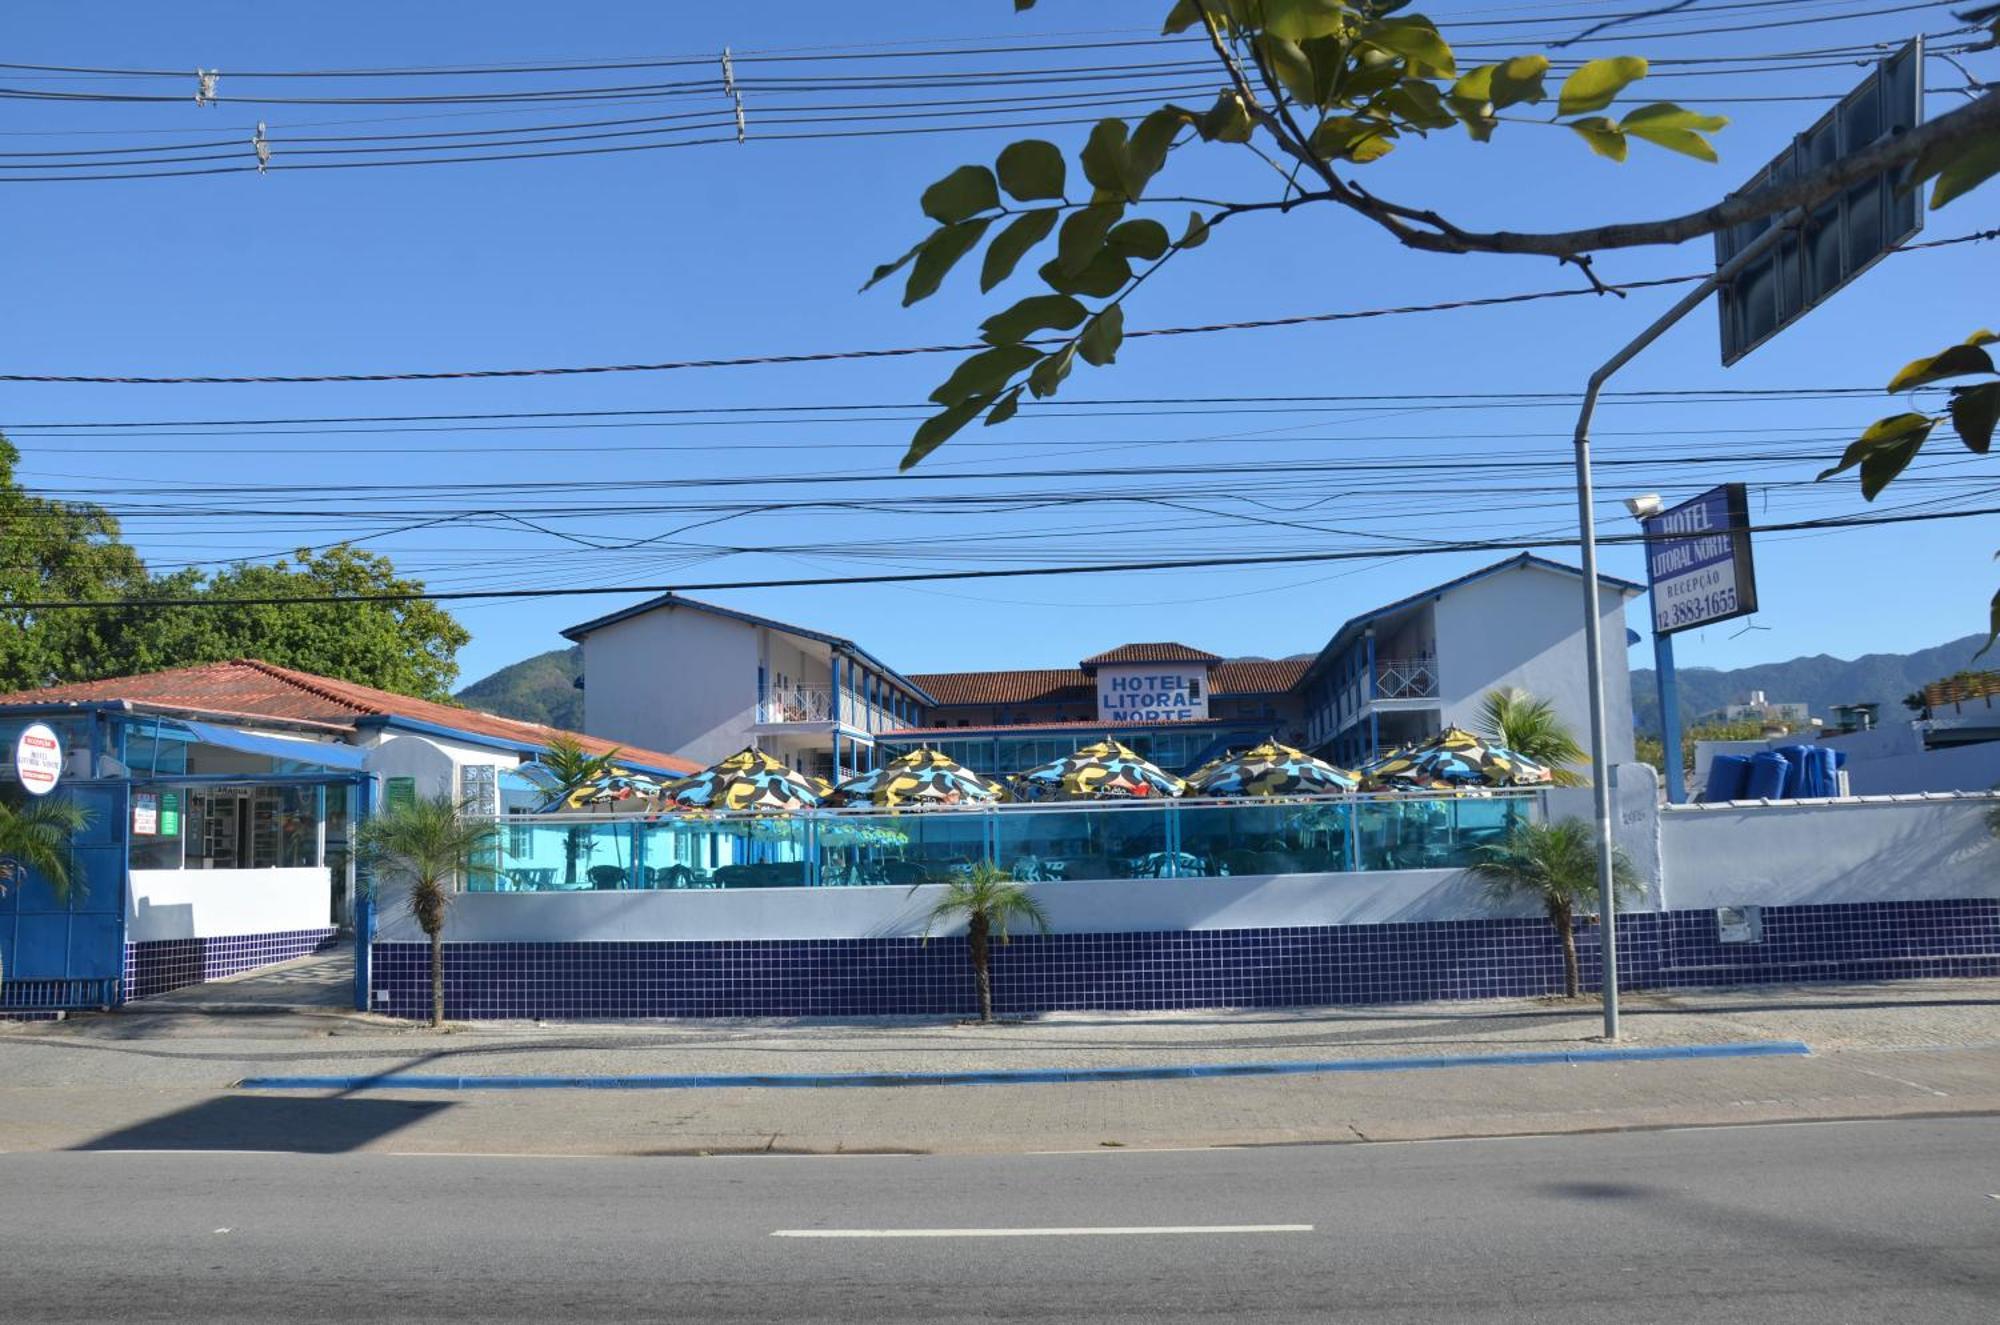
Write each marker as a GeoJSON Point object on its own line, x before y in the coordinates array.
{"type": "Point", "coordinates": [985, 373]}
{"type": "Point", "coordinates": [1006, 408]}
{"type": "Point", "coordinates": [1184, 15]}
{"type": "Point", "coordinates": [1958, 361]}
{"type": "Point", "coordinates": [1418, 104]}
{"type": "Point", "coordinates": [889, 269]}
{"type": "Point", "coordinates": [1039, 312]}
{"type": "Point", "coordinates": [1104, 276]}
{"type": "Point", "coordinates": [939, 254]}
{"type": "Point", "coordinates": [1100, 340]}
{"type": "Point", "coordinates": [1518, 80]}
{"type": "Point", "coordinates": [1032, 169]}
{"type": "Point", "coordinates": [1416, 39]}
{"type": "Point", "coordinates": [1197, 231]}
{"type": "Point", "coordinates": [1974, 410]}
{"type": "Point", "coordinates": [1884, 450]}
{"type": "Point", "coordinates": [1103, 156]}
{"type": "Point", "coordinates": [1012, 244]}
{"type": "Point", "coordinates": [1965, 170]}
{"type": "Point", "coordinates": [1047, 375]}
{"type": "Point", "coordinates": [1675, 128]}
{"type": "Point", "coordinates": [1302, 20]}
{"type": "Point", "coordinates": [1083, 233]}
{"type": "Point", "coordinates": [1604, 137]}
{"type": "Point", "coordinates": [1289, 64]}
{"type": "Point", "coordinates": [1982, 337]}
{"type": "Point", "coordinates": [961, 195]}
{"type": "Point", "coordinates": [938, 429]}
{"type": "Point", "coordinates": [1598, 83]}
{"type": "Point", "coordinates": [1351, 138]}
{"type": "Point", "coordinates": [1142, 238]}
{"type": "Point", "coordinates": [1147, 151]}
{"type": "Point", "coordinates": [1227, 121]}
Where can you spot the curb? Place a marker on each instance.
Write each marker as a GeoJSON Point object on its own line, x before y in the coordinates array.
{"type": "Point", "coordinates": [1028, 1077]}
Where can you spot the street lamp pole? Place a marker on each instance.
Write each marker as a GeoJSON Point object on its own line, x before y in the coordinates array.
{"type": "Point", "coordinates": [1593, 617]}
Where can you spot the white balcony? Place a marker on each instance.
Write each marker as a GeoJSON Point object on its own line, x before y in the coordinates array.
{"type": "Point", "coordinates": [1406, 678]}
{"type": "Point", "coordinates": [796, 705]}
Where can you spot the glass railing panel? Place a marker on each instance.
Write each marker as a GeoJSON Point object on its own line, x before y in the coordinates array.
{"type": "Point", "coordinates": [1255, 837]}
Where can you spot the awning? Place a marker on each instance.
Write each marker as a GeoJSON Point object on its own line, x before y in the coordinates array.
{"type": "Point", "coordinates": [324, 753]}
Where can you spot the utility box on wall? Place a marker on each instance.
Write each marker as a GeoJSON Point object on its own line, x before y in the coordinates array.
{"type": "Point", "coordinates": [1739, 924]}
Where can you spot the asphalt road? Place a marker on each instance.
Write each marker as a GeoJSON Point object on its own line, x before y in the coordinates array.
{"type": "Point", "coordinates": [1820, 1223]}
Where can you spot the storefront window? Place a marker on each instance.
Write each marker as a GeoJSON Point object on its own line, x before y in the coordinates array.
{"type": "Point", "coordinates": [236, 828]}
{"type": "Point", "coordinates": [158, 840]}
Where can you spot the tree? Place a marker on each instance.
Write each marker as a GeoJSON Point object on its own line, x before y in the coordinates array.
{"type": "Point", "coordinates": [1317, 90]}
{"type": "Point", "coordinates": [1652, 750]}
{"type": "Point", "coordinates": [990, 902]}
{"type": "Point", "coordinates": [1888, 445]}
{"type": "Point", "coordinates": [428, 843]}
{"type": "Point", "coordinates": [1555, 865]}
{"type": "Point", "coordinates": [573, 768]}
{"type": "Point", "coordinates": [74, 552]}
{"type": "Point", "coordinates": [35, 838]}
{"type": "Point", "coordinates": [1513, 718]}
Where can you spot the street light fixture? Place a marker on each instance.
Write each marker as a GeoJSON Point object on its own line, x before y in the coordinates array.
{"type": "Point", "coordinates": [1642, 507]}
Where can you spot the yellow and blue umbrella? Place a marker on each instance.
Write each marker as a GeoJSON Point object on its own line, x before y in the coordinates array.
{"type": "Point", "coordinates": [1271, 769]}
{"type": "Point", "coordinates": [919, 778]}
{"type": "Point", "coordinates": [748, 780]}
{"type": "Point", "coordinates": [1455, 758]}
{"type": "Point", "coordinates": [1104, 771]}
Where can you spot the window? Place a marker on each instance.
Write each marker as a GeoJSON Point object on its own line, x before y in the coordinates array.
{"type": "Point", "coordinates": [259, 828]}
{"type": "Point", "coordinates": [1194, 689]}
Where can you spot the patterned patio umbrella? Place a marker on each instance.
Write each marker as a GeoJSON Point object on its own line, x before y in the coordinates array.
{"type": "Point", "coordinates": [748, 780]}
{"type": "Point", "coordinates": [1455, 758]}
{"type": "Point", "coordinates": [615, 785]}
{"type": "Point", "coordinates": [1271, 770]}
{"type": "Point", "coordinates": [918, 778]}
{"type": "Point", "coordinates": [1105, 771]}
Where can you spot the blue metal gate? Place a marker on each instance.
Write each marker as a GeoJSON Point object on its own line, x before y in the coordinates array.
{"type": "Point", "coordinates": [71, 954]}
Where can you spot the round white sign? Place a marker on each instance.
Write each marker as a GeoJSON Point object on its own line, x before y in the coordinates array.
{"type": "Point", "coordinates": [38, 759]}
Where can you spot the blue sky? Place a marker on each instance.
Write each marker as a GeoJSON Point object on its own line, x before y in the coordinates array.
{"type": "Point", "coordinates": [722, 250]}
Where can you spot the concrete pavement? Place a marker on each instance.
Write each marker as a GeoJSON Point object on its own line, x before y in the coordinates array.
{"type": "Point", "coordinates": [1820, 1224]}
{"type": "Point", "coordinates": [162, 1075]}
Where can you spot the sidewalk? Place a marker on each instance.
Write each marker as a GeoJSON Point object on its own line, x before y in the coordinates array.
{"type": "Point", "coordinates": [162, 1074]}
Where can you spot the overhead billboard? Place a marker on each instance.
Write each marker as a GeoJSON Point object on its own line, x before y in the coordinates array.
{"type": "Point", "coordinates": [1698, 561]}
{"type": "Point", "coordinates": [1843, 236]}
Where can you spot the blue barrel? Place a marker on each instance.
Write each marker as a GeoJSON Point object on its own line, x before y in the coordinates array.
{"type": "Point", "coordinates": [1769, 774]}
{"type": "Point", "coordinates": [1801, 774]}
{"type": "Point", "coordinates": [1727, 776]}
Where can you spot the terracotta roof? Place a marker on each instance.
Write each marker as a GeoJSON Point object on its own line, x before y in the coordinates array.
{"type": "Point", "coordinates": [1046, 686]}
{"type": "Point", "coordinates": [1149, 653]}
{"type": "Point", "coordinates": [1069, 685]}
{"type": "Point", "coordinates": [1256, 678]}
{"type": "Point", "coordinates": [1028, 729]}
{"type": "Point", "coordinates": [250, 688]}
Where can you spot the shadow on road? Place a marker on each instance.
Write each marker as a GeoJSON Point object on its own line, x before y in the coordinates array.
{"type": "Point", "coordinates": [319, 1126]}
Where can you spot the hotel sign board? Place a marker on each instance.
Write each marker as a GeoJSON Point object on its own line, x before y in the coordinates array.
{"type": "Point", "coordinates": [1151, 694]}
{"type": "Point", "coordinates": [38, 759]}
{"type": "Point", "coordinates": [1698, 561]}
{"type": "Point", "coordinates": [1845, 235]}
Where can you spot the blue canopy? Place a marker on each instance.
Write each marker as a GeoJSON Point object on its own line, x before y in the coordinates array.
{"type": "Point", "coordinates": [324, 753]}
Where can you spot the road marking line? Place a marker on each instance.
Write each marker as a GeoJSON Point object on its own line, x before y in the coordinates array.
{"type": "Point", "coordinates": [1037, 1232]}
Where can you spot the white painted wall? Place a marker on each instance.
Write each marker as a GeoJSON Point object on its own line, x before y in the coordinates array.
{"type": "Point", "coordinates": [674, 679]}
{"type": "Point", "coordinates": [202, 904]}
{"type": "Point", "coordinates": [1084, 907]}
{"type": "Point", "coordinates": [1524, 628]}
{"type": "Point", "coordinates": [1829, 851]}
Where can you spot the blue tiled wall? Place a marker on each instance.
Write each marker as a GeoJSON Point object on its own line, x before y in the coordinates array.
{"type": "Point", "coordinates": [1159, 971]}
{"type": "Point", "coordinates": [167, 964]}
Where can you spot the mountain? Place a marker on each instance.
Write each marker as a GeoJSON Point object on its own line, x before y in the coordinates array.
{"type": "Point", "coordinates": [537, 689]}
{"type": "Point", "coordinates": [1820, 681]}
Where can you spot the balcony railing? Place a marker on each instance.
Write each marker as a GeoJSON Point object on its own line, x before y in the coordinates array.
{"type": "Point", "coordinates": [1406, 678]}
{"type": "Point", "coordinates": [797, 704]}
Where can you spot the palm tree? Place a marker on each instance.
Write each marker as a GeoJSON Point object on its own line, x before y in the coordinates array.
{"type": "Point", "coordinates": [1556, 865]}
{"type": "Point", "coordinates": [428, 842]}
{"type": "Point", "coordinates": [573, 767]}
{"type": "Point", "coordinates": [989, 901]}
{"type": "Point", "coordinates": [1529, 726]}
{"type": "Point", "coordinates": [34, 838]}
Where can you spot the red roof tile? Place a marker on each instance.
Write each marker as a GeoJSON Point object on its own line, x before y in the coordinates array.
{"type": "Point", "coordinates": [1257, 677]}
{"type": "Point", "coordinates": [250, 688]}
{"type": "Point", "coordinates": [1069, 685]}
{"type": "Point", "coordinates": [898, 736]}
{"type": "Point", "coordinates": [1149, 653]}
{"type": "Point", "coordinates": [1045, 686]}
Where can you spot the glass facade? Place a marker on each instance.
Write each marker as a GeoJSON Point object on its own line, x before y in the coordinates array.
{"type": "Point", "coordinates": [1193, 839]}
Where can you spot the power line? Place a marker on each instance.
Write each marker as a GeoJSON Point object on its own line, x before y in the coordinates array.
{"type": "Point", "coordinates": [829, 356]}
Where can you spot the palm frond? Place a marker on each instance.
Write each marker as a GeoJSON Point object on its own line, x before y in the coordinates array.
{"type": "Point", "coordinates": [991, 892]}
{"type": "Point", "coordinates": [1554, 864]}
{"type": "Point", "coordinates": [35, 838]}
{"type": "Point", "coordinates": [1530, 726]}
{"type": "Point", "coordinates": [427, 843]}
